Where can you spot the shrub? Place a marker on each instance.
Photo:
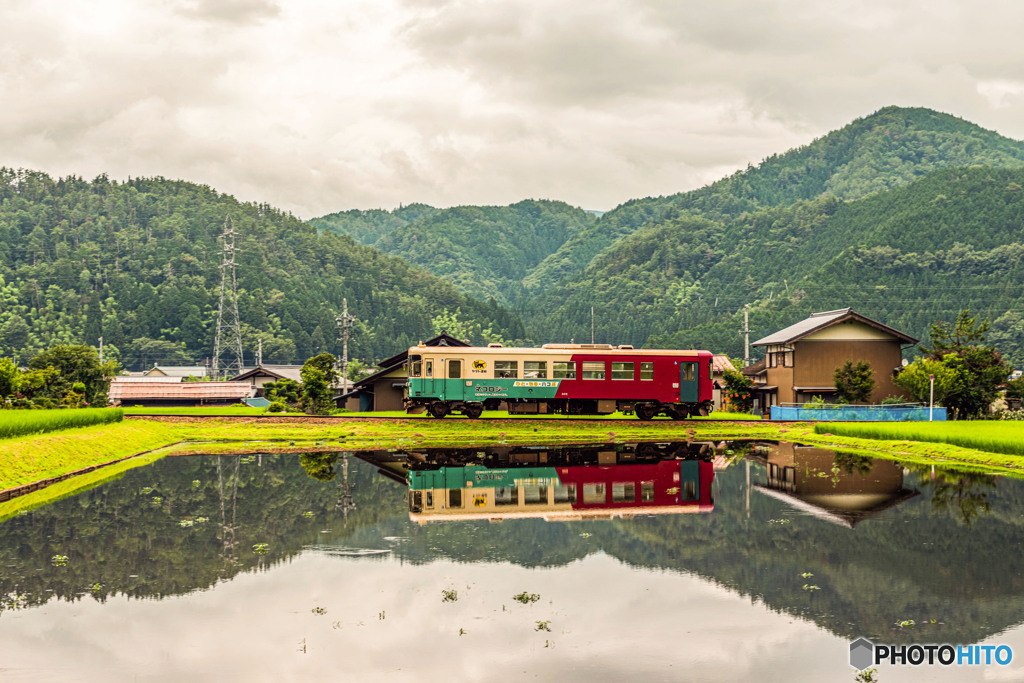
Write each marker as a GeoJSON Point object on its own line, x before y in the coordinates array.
{"type": "Point", "coordinates": [277, 407]}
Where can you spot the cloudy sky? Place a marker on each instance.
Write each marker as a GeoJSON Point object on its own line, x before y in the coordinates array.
{"type": "Point", "coordinates": [322, 105]}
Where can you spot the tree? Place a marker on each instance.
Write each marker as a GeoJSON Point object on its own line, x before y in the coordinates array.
{"type": "Point", "coordinates": [8, 377]}
{"type": "Point", "coordinates": [738, 389]}
{"type": "Point", "coordinates": [318, 378]}
{"type": "Point", "coordinates": [75, 364]}
{"type": "Point", "coordinates": [854, 382]}
{"type": "Point", "coordinates": [980, 369]}
{"type": "Point", "coordinates": [915, 379]}
{"type": "Point", "coordinates": [1015, 388]}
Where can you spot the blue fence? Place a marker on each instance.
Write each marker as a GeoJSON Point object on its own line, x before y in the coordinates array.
{"type": "Point", "coordinates": [827, 413]}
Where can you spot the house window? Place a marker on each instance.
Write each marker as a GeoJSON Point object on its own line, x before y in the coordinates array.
{"type": "Point", "coordinates": [593, 369]}
{"type": "Point", "coordinates": [563, 370]}
{"type": "Point", "coordinates": [506, 369]}
{"type": "Point", "coordinates": [647, 371]}
{"type": "Point", "coordinates": [535, 369]}
{"type": "Point", "coordinates": [780, 356]}
{"type": "Point", "coordinates": [622, 371]}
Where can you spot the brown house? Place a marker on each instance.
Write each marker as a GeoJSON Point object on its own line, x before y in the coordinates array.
{"type": "Point", "coordinates": [807, 479]}
{"type": "Point", "coordinates": [802, 359]}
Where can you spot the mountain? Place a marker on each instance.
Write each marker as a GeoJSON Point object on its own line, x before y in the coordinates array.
{"type": "Point", "coordinates": [139, 264]}
{"type": "Point", "coordinates": [366, 227]}
{"type": "Point", "coordinates": [486, 251]}
{"type": "Point", "coordinates": [889, 148]}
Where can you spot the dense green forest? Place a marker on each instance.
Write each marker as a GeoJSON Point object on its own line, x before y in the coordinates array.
{"type": "Point", "coordinates": [484, 250]}
{"type": "Point", "coordinates": [139, 264]}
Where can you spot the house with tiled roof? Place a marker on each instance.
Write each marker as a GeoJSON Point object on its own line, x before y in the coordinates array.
{"type": "Point", "coordinates": [801, 359]}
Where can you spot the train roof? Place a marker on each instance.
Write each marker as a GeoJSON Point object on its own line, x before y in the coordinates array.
{"type": "Point", "coordinates": [551, 349]}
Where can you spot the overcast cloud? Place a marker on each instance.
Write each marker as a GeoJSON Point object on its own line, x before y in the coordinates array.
{"type": "Point", "coordinates": [318, 106]}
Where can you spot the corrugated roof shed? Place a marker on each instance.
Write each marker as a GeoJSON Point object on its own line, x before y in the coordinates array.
{"type": "Point", "coordinates": [127, 392]}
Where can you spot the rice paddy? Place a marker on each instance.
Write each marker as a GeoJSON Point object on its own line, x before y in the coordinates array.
{"type": "Point", "coordinates": [15, 423]}
{"type": "Point", "coordinates": [984, 435]}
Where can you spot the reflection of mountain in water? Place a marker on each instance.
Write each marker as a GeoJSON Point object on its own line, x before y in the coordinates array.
{"type": "Point", "coordinates": [187, 523]}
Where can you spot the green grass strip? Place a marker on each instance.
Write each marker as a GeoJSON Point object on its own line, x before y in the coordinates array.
{"type": "Point", "coordinates": [984, 435]}
{"type": "Point", "coordinates": [14, 423]}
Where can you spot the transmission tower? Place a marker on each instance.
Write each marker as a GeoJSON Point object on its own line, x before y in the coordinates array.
{"type": "Point", "coordinates": [228, 326]}
{"type": "Point", "coordinates": [344, 322]}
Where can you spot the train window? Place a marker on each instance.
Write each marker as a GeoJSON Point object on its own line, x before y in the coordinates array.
{"type": "Point", "coordinates": [506, 495]}
{"type": "Point", "coordinates": [563, 370]}
{"type": "Point", "coordinates": [535, 495]}
{"type": "Point", "coordinates": [690, 490]}
{"type": "Point", "coordinates": [415, 366]}
{"type": "Point", "coordinates": [535, 369]}
{"type": "Point", "coordinates": [416, 501]}
{"type": "Point", "coordinates": [565, 493]}
{"type": "Point", "coordinates": [593, 369]}
{"type": "Point", "coordinates": [689, 372]}
{"type": "Point", "coordinates": [647, 492]}
{"type": "Point", "coordinates": [428, 368]}
{"type": "Point", "coordinates": [455, 369]}
{"type": "Point", "coordinates": [454, 498]}
{"type": "Point", "coordinates": [647, 371]}
{"type": "Point", "coordinates": [429, 499]}
{"type": "Point", "coordinates": [594, 493]}
{"type": "Point", "coordinates": [622, 371]}
{"type": "Point", "coordinates": [623, 492]}
{"type": "Point", "coordinates": [506, 369]}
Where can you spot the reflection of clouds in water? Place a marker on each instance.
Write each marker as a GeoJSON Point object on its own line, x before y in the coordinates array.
{"type": "Point", "coordinates": [383, 620]}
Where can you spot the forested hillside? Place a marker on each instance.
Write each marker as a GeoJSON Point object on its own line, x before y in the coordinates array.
{"type": "Point", "coordinates": [908, 257]}
{"type": "Point", "coordinates": [486, 251]}
{"type": "Point", "coordinates": [366, 227]}
{"type": "Point", "coordinates": [138, 263]}
{"type": "Point", "coordinates": [889, 148]}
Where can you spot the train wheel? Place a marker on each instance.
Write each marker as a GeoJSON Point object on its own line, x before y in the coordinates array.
{"type": "Point", "coordinates": [472, 412]}
{"type": "Point", "coordinates": [680, 413]}
{"type": "Point", "coordinates": [438, 409]}
{"type": "Point", "coordinates": [644, 412]}
{"type": "Point", "coordinates": [705, 409]}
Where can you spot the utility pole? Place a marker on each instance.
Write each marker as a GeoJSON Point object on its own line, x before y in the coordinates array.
{"type": "Point", "coordinates": [259, 352]}
{"type": "Point", "coordinates": [101, 350]}
{"type": "Point", "coordinates": [746, 335]}
{"type": "Point", "coordinates": [344, 322]}
{"type": "Point", "coordinates": [228, 290]}
{"type": "Point", "coordinates": [591, 324]}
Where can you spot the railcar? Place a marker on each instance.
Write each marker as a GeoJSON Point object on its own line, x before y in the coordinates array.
{"type": "Point", "coordinates": [573, 379]}
{"type": "Point", "coordinates": [560, 492]}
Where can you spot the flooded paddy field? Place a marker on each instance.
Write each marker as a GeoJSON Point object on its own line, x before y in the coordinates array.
{"type": "Point", "coordinates": [724, 560]}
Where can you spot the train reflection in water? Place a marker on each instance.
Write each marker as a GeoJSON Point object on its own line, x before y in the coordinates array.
{"type": "Point", "coordinates": [598, 481]}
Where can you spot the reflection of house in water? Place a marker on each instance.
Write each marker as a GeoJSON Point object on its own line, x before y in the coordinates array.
{"type": "Point", "coordinates": [556, 483]}
{"type": "Point", "coordinates": [843, 489]}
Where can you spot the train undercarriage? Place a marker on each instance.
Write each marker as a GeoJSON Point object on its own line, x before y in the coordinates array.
{"type": "Point", "coordinates": [644, 410]}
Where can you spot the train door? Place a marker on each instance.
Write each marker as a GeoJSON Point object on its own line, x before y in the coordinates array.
{"type": "Point", "coordinates": [456, 384]}
{"type": "Point", "coordinates": [688, 392]}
